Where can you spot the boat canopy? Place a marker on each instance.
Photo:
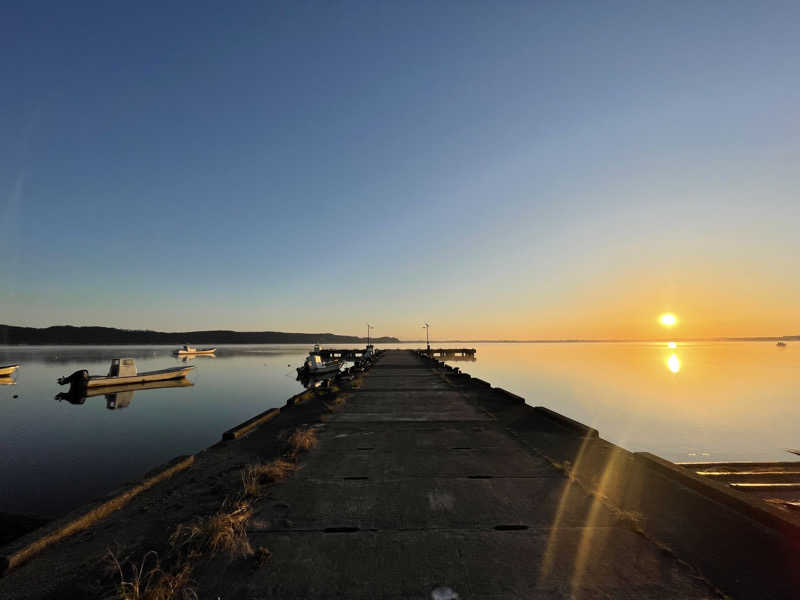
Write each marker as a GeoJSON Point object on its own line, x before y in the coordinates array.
{"type": "Point", "coordinates": [122, 367]}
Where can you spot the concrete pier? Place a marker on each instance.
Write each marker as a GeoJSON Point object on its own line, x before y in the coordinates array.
{"type": "Point", "coordinates": [427, 483]}
{"type": "Point", "coordinates": [415, 491]}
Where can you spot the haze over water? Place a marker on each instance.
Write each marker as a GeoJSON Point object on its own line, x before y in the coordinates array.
{"type": "Point", "coordinates": [727, 401]}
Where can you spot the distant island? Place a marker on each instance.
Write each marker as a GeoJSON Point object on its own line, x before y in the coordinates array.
{"type": "Point", "coordinates": [69, 335]}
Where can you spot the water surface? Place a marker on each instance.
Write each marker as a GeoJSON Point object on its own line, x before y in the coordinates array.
{"type": "Point", "coordinates": [57, 455]}
{"type": "Point", "coordinates": [695, 402]}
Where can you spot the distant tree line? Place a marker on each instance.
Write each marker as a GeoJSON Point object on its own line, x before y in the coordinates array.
{"type": "Point", "coordinates": [67, 334]}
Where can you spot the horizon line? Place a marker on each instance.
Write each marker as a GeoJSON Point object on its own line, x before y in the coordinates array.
{"type": "Point", "coordinates": [718, 338]}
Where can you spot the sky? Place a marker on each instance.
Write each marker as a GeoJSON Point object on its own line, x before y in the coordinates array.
{"type": "Point", "coordinates": [502, 170]}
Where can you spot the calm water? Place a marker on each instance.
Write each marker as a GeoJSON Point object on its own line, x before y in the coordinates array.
{"type": "Point", "coordinates": [713, 401]}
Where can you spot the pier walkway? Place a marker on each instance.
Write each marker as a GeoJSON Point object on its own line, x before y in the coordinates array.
{"type": "Point", "coordinates": [414, 491]}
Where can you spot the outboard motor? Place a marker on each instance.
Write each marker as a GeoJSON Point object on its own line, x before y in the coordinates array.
{"type": "Point", "coordinates": [78, 379]}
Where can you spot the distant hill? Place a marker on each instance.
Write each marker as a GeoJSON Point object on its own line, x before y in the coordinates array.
{"type": "Point", "coordinates": [67, 334]}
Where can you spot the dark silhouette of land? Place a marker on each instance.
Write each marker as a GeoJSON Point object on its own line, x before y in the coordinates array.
{"type": "Point", "coordinates": [67, 334]}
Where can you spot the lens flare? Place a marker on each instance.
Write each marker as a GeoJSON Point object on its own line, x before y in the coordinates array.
{"type": "Point", "coordinates": [674, 364]}
{"type": "Point", "coordinates": [668, 320]}
{"type": "Point", "coordinates": [672, 345]}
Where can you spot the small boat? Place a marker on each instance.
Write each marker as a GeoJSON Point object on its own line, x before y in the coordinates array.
{"type": "Point", "coordinates": [190, 350]}
{"type": "Point", "coordinates": [781, 344]}
{"type": "Point", "coordinates": [6, 370]}
{"type": "Point", "coordinates": [315, 365]}
{"type": "Point", "coordinates": [122, 372]}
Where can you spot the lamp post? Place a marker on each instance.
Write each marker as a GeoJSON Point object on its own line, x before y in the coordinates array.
{"type": "Point", "coordinates": [368, 328]}
{"type": "Point", "coordinates": [427, 327]}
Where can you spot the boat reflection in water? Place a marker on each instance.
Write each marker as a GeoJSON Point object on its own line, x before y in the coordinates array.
{"type": "Point", "coordinates": [187, 357]}
{"type": "Point", "coordinates": [119, 396]}
{"type": "Point", "coordinates": [7, 380]}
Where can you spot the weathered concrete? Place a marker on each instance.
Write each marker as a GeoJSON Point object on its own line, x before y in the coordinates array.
{"type": "Point", "coordinates": [413, 487]}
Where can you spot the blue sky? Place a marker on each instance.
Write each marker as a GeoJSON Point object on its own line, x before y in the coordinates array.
{"type": "Point", "coordinates": [513, 170]}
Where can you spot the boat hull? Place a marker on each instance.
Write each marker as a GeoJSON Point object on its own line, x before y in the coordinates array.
{"type": "Point", "coordinates": [6, 370]}
{"type": "Point", "coordinates": [319, 370]}
{"type": "Point", "coordinates": [96, 381]}
{"type": "Point", "coordinates": [196, 352]}
{"type": "Point", "coordinates": [138, 387]}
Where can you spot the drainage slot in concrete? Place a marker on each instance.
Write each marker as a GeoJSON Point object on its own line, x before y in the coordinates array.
{"type": "Point", "coordinates": [462, 448]}
{"type": "Point", "coordinates": [340, 529]}
{"type": "Point", "coordinates": [359, 478]}
{"type": "Point", "coordinates": [510, 527]}
{"type": "Point", "coordinates": [479, 477]}
{"type": "Point", "coordinates": [366, 448]}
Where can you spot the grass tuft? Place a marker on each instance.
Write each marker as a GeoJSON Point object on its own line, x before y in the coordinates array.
{"type": "Point", "coordinates": [303, 440]}
{"type": "Point", "coordinates": [148, 581]}
{"type": "Point", "coordinates": [263, 556]}
{"type": "Point", "coordinates": [221, 533]}
{"type": "Point", "coordinates": [254, 476]}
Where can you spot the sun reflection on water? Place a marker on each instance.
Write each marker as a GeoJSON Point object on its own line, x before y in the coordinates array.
{"type": "Point", "coordinates": [673, 363]}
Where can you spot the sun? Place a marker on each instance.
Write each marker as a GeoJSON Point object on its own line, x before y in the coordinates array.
{"type": "Point", "coordinates": [668, 319]}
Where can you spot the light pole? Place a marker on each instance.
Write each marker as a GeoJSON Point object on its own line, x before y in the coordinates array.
{"type": "Point", "coordinates": [427, 327]}
{"type": "Point", "coordinates": [368, 328]}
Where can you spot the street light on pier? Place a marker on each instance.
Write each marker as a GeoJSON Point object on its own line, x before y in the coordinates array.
{"type": "Point", "coordinates": [427, 327]}
{"type": "Point", "coordinates": [368, 328]}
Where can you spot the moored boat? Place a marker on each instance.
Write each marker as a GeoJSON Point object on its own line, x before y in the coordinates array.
{"type": "Point", "coordinates": [6, 370]}
{"type": "Point", "coordinates": [314, 364]}
{"type": "Point", "coordinates": [122, 372]}
{"type": "Point", "coordinates": [187, 350]}
{"type": "Point", "coordinates": [781, 344]}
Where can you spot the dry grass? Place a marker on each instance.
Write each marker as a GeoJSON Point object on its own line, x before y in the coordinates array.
{"type": "Point", "coordinates": [255, 476]}
{"type": "Point", "coordinates": [263, 556]}
{"type": "Point", "coordinates": [303, 440]}
{"type": "Point", "coordinates": [220, 533]}
{"type": "Point", "coordinates": [148, 581]}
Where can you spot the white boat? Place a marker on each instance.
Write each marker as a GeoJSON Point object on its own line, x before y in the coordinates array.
{"type": "Point", "coordinates": [122, 372]}
{"type": "Point", "coordinates": [6, 370]}
{"type": "Point", "coordinates": [314, 365]}
{"type": "Point", "coordinates": [187, 350]}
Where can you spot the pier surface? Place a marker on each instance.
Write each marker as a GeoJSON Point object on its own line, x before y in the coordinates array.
{"type": "Point", "coordinates": [426, 483]}
{"type": "Point", "coordinates": [414, 491]}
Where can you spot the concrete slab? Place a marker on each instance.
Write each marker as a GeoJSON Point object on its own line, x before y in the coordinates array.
{"type": "Point", "coordinates": [428, 503]}
{"type": "Point", "coordinates": [399, 437]}
{"type": "Point", "coordinates": [409, 405]}
{"type": "Point", "coordinates": [562, 563]}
